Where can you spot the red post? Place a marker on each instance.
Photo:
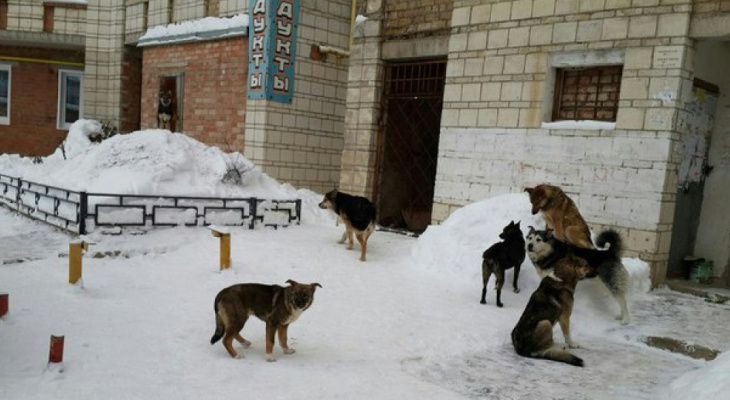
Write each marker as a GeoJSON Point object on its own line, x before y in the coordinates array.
{"type": "Point", "coordinates": [56, 352]}
{"type": "Point", "coordinates": [3, 304]}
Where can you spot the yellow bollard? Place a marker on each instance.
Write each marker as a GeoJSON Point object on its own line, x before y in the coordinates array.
{"type": "Point", "coordinates": [225, 239]}
{"type": "Point", "coordinates": [75, 251]}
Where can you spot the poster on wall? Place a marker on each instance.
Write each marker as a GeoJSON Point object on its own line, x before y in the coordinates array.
{"type": "Point", "coordinates": [272, 49]}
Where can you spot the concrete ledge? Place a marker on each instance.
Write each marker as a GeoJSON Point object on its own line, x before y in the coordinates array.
{"type": "Point", "coordinates": [43, 40]}
{"type": "Point", "coordinates": [711, 25]}
{"type": "Point", "coordinates": [416, 48]}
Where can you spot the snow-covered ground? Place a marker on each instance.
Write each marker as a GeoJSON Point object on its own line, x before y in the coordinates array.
{"type": "Point", "coordinates": [405, 324]}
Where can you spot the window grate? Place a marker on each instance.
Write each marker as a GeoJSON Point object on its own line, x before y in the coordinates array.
{"type": "Point", "coordinates": [587, 93]}
{"type": "Point", "coordinates": [415, 79]}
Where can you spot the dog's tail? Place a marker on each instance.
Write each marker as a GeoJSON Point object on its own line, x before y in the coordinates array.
{"type": "Point", "coordinates": [219, 328]}
{"type": "Point", "coordinates": [560, 355]}
{"type": "Point", "coordinates": [611, 237]}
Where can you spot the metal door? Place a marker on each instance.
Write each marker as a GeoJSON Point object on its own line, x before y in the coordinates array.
{"type": "Point", "coordinates": [408, 143]}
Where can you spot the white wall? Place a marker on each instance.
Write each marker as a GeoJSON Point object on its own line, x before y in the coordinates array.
{"type": "Point", "coordinates": [712, 61]}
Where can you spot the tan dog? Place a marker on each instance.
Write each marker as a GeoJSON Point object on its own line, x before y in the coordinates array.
{"type": "Point", "coordinates": [561, 214]}
{"type": "Point", "coordinates": [551, 303]}
{"type": "Point", "coordinates": [277, 306]}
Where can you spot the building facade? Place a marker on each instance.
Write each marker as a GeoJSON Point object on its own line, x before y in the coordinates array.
{"type": "Point", "coordinates": [88, 54]}
{"type": "Point", "coordinates": [422, 105]}
{"type": "Point", "coordinates": [526, 81]}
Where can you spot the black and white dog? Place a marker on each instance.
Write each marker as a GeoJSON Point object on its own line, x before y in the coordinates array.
{"type": "Point", "coordinates": [543, 250]}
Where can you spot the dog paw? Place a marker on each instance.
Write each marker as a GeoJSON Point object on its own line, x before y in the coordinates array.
{"type": "Point", "coordinates": [239, 356]}
{"type": "Point", "coordinates": [246, 344]}
{"type": "Point", "coordinates": [573, 345]}
{"type": "Point", "coordinates": [270, 358]}
{"type": "Point", "coordinates": [516, 290]}
{"type": "Point", "coordinates": [289, 351]}
{"type": "Point", "coordinates": [500, 305]}
{"type": "Point", "coordinates": [482, 302]}
{"type": "Point", "coordinates": [624, 320]}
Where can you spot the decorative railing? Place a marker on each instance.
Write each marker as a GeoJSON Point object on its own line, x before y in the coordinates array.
{"type": "Point", "coordinates": [81, 212]}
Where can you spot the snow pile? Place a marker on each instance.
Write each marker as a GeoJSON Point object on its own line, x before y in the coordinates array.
{"type": "Point", "coordinates": [79, 138]}
{"type": "Point", "coordinates": [154, 162]}
{"type": "Point", "coordinates": [709, 382]}
{"type": "Point", "coordinates": [456, 246]}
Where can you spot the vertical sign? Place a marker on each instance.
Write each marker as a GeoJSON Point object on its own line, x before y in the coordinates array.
{"type": "Point", "coordinates": [257, 48]}
{"type": "Point", "coordinates": [272, 49]}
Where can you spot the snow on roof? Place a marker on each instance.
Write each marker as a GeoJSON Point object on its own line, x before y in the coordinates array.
{"type": "Point", "coordinates": [200, 29]}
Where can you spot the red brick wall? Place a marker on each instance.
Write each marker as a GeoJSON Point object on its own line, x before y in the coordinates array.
{"type": "Point", "coordinates": [34, 101]}
{"type": "Point", "coordinates": [214, 88]}
{"type": "Point", "coordinates": [131, 89]}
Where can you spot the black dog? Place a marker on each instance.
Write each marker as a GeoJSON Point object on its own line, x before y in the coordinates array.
{"type": "Point", "coordinates": [503, 256]}
{"type": "Point", "coordinates": [358, 214]}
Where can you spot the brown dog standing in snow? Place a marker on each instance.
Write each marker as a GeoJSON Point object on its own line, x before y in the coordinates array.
{"type": "Point", "coordinates": [277, 306]}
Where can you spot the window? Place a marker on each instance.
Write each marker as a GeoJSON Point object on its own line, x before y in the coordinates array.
{"type": "Point", "coordinates": [70, 86]}
{"type": "Point", "coordinates": [587, 93]}
{"type": "Point", "coordinates": [4, 94]}
{"type": "Point", "coordinates": [212, 8]}
{"type": "Point", "coordinates": [170, 11]}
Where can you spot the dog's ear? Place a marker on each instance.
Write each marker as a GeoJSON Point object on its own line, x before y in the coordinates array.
{"type": "Point", "coordinates": [529, 190]}
{"type": "Point", "coordinates": [292, 282]}
{"type": "Point", "coordinates": [531, 229]}
{"type": "Point", "coordinates": [518, 224]}
{"type": "Point", "coordinates": [315, 284]}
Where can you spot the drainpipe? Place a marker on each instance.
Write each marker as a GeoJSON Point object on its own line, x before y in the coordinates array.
{"type": "Point", "coordinates": [353, 9]}
{"type": "Point", "coordinates": [41, 61]}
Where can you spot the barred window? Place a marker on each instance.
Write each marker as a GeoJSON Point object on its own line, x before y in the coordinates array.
{"type": "Point", "coordinates": [587, 93]}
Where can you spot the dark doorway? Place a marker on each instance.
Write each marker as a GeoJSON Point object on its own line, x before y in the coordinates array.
{"type": "Point", "coordinates": [408, 143]}
{"type": "Point", "coordinates": [169, 105]}
{"type": "Point", "coordinates": [692, 172]}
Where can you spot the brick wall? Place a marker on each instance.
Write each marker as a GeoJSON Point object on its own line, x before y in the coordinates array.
{"type": "Point", "coordinates": [416, 18]}
{"type": "Point", "coordinates": [131, 89]}
{"type": "Point", "coordinates": [214, 101]}
{"type": "Point", "coordinates": [34, 102]}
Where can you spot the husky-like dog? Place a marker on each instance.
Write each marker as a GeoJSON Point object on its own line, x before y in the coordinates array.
{"type": "Point", "coordinates": [501, 256]}
{"type": "Point", "coordinates": [561, 214]}
{"type": "Point", "coordinates": [551, 303]}
{"type": "Point", "coordinates": [544, 249]}
{"type": "Point", "coordinates": [358, 214]}
{"type": "Point", "coordinates": [165, 110]}
{"type": "Point", "coordinates": [277, 306]}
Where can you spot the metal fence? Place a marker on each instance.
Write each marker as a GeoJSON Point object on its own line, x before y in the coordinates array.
{"type": "Point", "coordinates": [81, 212]}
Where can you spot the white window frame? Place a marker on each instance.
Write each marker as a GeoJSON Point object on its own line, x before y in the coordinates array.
{"type": "Point", "coordinates": [62, 74]}
{"type": "Point", "coordinates": [5, 120]}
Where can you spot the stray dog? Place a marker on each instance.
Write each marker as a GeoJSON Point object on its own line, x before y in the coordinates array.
{"type": "Point", "coordinates": [164, 110]}
{"type": "Point", "coordinates": [358, 214]}
{"type": "Point", "coordinates": [561, 214]}
{"type": "Point", "coordinates": [551, 303]}
{"type": "Point", "coordinates": [277, 306]}
{"type": "Point", "coordinates": [543, 249]}
{"type": "Point", "coordinates": [502, 256]}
